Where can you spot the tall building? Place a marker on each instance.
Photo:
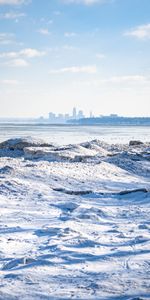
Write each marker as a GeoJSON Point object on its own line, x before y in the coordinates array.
{"type": "Point", "coordinates": [74, 113]}
{"type": "Point", "coordinates": [91, 114]}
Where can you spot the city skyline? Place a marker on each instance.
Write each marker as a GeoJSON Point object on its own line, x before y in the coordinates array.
{"type": "Point", "coordinates": [59, 117]}
{"type": "Point", "coordinates": [90, 54]}
{"type": "Point", "coordinates": [77, 117]}
{"type": "Point", "coordinates": [63, 118]}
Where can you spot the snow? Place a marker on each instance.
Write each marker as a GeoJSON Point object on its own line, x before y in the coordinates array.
{"type": "Point", "coordinates": [74, 221]}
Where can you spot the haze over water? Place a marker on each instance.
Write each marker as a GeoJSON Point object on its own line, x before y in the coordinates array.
{"type": "Point", "coordinates": [75, 134]}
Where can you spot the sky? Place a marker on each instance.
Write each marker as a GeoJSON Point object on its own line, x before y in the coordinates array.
{"type": "Point", "coordinates": [91, 54]}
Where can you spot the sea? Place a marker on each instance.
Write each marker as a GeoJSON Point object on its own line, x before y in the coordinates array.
{"type": "Point", "coordinates": [72, 134]}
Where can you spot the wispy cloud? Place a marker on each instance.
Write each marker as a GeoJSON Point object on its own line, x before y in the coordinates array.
{"type": "Point", "coordinates": [86, 2]}
{"type": "Point", "coordinates": [6, 38]}
{"type": "Point", "coordinates": [12, 2]}
{"type": "Point", "coordinates": [11, 15]}
{"type": "Point", "coordinates": [20, 58]}
{"type": "Point", "coordinates": [69, 34]}
{"type": "Point", "coordinates": [18, 62]}
{"type": "Point", "coordinates": [46, 21]}
{"type": "Point", "coordinates": [44, 31]}
{"type": "Point", "coordinates": [30, 53]}
{"type": "Point", "coordinates": [70, 48]}
{"type": "Point", "coordinates": [26, 53]}
{"type": "Point", "coordinates": [75, 69]}
{"type": "Point", "coordinates": [140, 32]}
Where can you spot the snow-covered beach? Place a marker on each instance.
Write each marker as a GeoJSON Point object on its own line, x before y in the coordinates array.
{"type": "Point", "coordinates": [74, 220]}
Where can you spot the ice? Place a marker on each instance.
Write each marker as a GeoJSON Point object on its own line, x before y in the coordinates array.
{"type": "Point", "coordinates": [74, 221]}
{"type": "Point", "coordinates": [21, 143]}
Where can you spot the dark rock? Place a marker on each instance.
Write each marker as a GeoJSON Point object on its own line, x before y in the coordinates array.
{"type": "Point", "coordinates": [142, 190]}
{"type": "Point", "coordinates": [135, 143]}
{"type": "Point", "coordinates": [21, 143]}
{"type": "Point", "coordinates": [70, 192]}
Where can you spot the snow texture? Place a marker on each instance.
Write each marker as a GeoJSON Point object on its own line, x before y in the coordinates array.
{"type": "Point", "coordinates": [74, 220]}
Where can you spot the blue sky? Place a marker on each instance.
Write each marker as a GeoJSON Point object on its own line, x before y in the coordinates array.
{"type": "Point", "coordinates": [92, 54]}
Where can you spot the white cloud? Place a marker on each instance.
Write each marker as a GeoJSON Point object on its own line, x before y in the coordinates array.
{"type": "Point", "coordinates": [30, 53]}
{"type": "Point", "coordinates": [18, 59]}
{"type": "Point", "coordinates": [69, 34]}
{"type": "Point", "coordinates": [6, 38]}
{"type": "Point", "coordinates": [76, 69]}
{"type": "Point", "coordinates": [12, 2]}
{"type": "Point", "coordinates": [8, 55]}
{"type": "Point", "coordinates": [9, 82]}
{"type": "Point", "coordinates": [44, 31]}
{"type": "Point", "coordinates": [11, 15]}
{"type": "Point", "coordinates": [18, 62]}
{"type": "Point", "coordinates": [26, 53]}
{"type": "Point", "coordinates": [86, 2]}
{"type": "Point", "coordinates": [140, 32]}
{"type": "Point", "coordinates": [70, 48]}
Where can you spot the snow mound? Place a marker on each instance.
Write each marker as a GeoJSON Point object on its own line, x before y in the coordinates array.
{"type": "Point", "coordinates": [73, 153]}
{"type": "Point", "coordinates": [21, 143]}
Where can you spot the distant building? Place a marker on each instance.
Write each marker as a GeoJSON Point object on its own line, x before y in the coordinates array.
{"type": "Point", "coordinates": [67, 117]}
{"type": "Point", "coordinates": [74, 113]}
{"type": "Point", "coordinates": [80, 114]}
{"type": "Point", "coordinates": [91, 114]}
{"type": "Point", "coordinates": [41, 118]}
{"type": "Point", "coordinates": [62, 118]}
{"type": "Point", "coordinates": [51, 117]}
{"type": "Point", "coordinates": [114, 116]}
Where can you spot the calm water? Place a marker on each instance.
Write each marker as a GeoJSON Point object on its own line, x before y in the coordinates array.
{"type": "Point", "coordinates": [65, 134]}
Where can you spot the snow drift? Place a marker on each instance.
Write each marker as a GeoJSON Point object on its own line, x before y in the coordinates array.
{"type": "Point", "coordinates": [74, 220]}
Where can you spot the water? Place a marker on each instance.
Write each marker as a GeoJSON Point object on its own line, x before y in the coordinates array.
{"type": "Point", "coordinates": [65, 134]}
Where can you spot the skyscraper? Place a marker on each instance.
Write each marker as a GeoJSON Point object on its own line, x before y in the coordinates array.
{"type": "Point", "coordinates": [74, 113]}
